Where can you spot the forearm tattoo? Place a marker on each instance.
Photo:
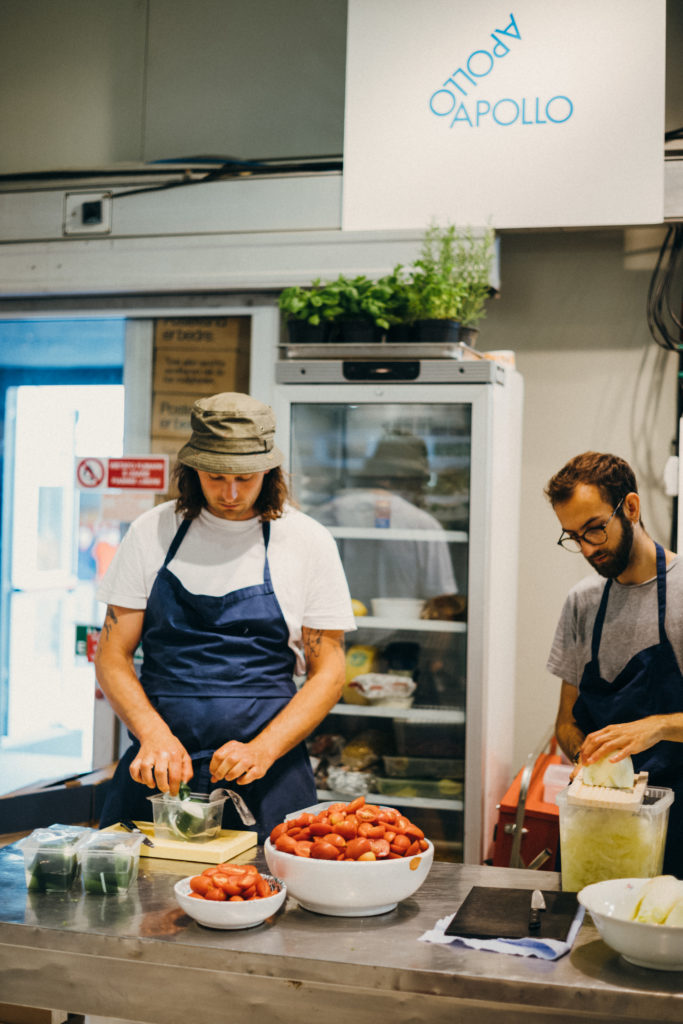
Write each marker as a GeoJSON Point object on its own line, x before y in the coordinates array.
{"type": "Point", "coordinates": [109, 621]}
{"type": "Point", "coordinates": [319, 643]}
{"type": "Point", "coordinates": [313, 642]}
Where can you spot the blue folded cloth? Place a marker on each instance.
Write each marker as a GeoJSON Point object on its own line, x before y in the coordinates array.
{"type": "Point", "coordinates": [546, 949]}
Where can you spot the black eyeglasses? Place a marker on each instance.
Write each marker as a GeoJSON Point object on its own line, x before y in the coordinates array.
{"type": "Point", "coordinates": [595, 535]}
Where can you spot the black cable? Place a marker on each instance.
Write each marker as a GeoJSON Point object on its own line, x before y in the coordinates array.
{"type": "Point", "coordinates": [230, 168]}
{"type": "Point", "coordinates": [236, 169]}
{"type": "Point", "coordinates": [664, 323]}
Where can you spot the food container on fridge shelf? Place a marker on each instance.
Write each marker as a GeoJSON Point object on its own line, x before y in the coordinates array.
{"type": "Point", "coordinates": [597, 843]}
{"type": "Point", "coordinates": [417, 737]}
{"type": "Point", "coordinates": [424, 767]}
{"type": "Point", "coordinates": [555, 779]}
{"type": "Point", "coordinates": [195, 818]}
{"type": "Point", "coordinates": [397, 607]}
{"type": "Point", "coordinates": [51, 857]}
{"type": "Point", "coordinates": [435, 789]}
{"type": "Point", "coordinates": [109, 862]}
{"type": "Point", "coordinates": [387, 689]}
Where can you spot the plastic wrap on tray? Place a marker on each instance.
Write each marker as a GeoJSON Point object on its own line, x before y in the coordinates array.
{"type": "Point", "coordinates": [348, 782]}
{"type": "Point", "coordinates": [384, 688]}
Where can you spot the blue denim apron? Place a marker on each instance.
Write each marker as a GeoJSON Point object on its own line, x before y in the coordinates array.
{"type": "Point", "coordinates": [650, 684]}
{"type": "Point", "coordinates": [217, 669]}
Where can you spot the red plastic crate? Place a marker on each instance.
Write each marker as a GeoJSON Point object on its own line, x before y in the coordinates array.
{"type": "Point", "coordinates": [541, 819]}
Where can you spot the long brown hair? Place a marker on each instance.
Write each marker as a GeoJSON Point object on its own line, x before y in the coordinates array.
{"type": "Point", "coordinates": [190, 501]}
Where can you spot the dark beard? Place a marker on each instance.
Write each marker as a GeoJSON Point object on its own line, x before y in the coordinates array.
{"type": "Point", "coordinates": [617, 560]}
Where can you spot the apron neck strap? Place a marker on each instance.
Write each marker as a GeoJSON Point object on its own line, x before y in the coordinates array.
{"type": "Point", "coordinates": [177, 540]}
{"type": "Point", "coordinates": [661, 604]}
{"type": "Point", "coordinates": [661, 590]}
{"type": "Point", "coordinates": [599, 621]}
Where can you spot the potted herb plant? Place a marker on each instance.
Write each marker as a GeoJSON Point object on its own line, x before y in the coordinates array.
{"type": "Point", "coordinates": [346, 310]}
{"type": "Point", "coordinates": [303, 309]}
{"type": "Point", "coordinates": [449, 282]}
{"type": "Point", "coordinates": [398, 303]}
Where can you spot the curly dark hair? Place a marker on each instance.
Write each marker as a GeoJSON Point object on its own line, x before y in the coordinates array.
{"type": "Point", "coordinates": [190, 501]}
{"type": "Point", "coordinates": [613, 477]}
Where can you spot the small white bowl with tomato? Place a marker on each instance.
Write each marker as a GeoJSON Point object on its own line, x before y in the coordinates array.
{"type": "Point", "coordinates": [230, 896]}
{"type": "Point", "coordinates": [349, 860]}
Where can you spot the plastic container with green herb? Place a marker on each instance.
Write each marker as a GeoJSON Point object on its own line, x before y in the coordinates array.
{"type": "Point", "coordinates": [51, 857]}
{"type": "Point", "coordinates": [194, 817]}
{"type": "Point", "coordinates": [109, 862]}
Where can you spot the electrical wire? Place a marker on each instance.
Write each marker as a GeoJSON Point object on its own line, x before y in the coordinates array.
{"type": "Point", "coordinates": [663, 311]}
{"type": "Point", "coordinates": [666, 327]}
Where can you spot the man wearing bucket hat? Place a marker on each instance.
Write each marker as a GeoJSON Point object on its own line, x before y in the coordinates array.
{"type": "Point", "coordinates": [231, 592]}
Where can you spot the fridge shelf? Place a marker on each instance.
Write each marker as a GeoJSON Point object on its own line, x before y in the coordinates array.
{"type": "Point", "coordinates": [398, 801]}
{"type": "Point", "coordinates": [424, 625]}
{"type": "Point", "coordinates": [442, 716]}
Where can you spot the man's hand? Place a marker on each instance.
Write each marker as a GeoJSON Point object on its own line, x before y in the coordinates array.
{"type": "Point", "coordinates": [240, 762]}
{"type": "Point", "coordinates": [623, 740]}
{"type": "Point", "coordinates": [162, 762]}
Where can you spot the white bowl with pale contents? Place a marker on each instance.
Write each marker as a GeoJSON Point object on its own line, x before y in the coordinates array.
{"type": "Point", "coordinates": [611, 904]}
{"type": "Point", "coordinates": [397, 607]}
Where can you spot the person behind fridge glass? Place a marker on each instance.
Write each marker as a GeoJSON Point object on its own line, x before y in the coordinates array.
{"type": "Point", "coordinates": [387, 492]}
{"type": "Point", "coordinates": [618, 646]}
{"type": "Point", "coordinates": [230, 590]}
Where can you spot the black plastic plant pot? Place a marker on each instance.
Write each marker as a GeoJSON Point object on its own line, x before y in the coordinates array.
{"type": "Point", "coordinates": [399, 333]}
{"type": "Point", "coordinates": [469, 335]}
{"type": "Point", "coordinates": [437, 331]}
{"type": "Point", "coordinates": [302, 333]}
{"type": "Point", "coordinates": [355, 331]}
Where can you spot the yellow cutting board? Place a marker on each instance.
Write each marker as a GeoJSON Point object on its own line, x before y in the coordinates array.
{"type": "Point", "coordinates": [227, 844]}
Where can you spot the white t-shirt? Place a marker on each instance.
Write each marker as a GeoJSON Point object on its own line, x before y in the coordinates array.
{"type": "Point", "coordinates": [630, 626]}
{"type": "Point", "coordinates": [218, 556]}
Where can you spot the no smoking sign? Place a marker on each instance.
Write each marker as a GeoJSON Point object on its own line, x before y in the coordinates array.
{"type": "Point", "coordinates": [139, 473]}
{"type": "Point", "coordinates": [90, 473]}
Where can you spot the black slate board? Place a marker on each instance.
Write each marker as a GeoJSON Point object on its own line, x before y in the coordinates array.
{"type": "Point", "coordinates": [490, 913]}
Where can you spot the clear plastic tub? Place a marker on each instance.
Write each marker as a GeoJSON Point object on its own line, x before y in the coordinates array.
{"type": "Point", "coordinates": [195, 819]}
{"type": "Point", "coordinates": [424, 767]}
{"type": "Point", "coordinates": [51, 857]}
{"type": "Point", "coordinates": [109, 862]}
{"type": "Point", "coordinates": [555, 779]}
{"type": "Point", "coordinates": [437, 789]}
{"type": "Point", "coordinates": [597, 843]}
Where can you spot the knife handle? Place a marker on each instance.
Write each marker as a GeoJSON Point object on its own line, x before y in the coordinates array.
{"type": "Point", "coordinates": [534, 920]}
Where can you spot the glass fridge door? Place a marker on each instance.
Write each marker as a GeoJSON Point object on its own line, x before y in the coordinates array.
{"type": "Point", "coordinates": [391, 480]}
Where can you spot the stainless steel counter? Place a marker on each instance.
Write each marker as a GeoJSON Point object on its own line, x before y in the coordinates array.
{"type": "Point", "coordinates": [140, 958]}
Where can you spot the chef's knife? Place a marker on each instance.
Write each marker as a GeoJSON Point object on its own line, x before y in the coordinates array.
{"type": "Point", "coordinates": [130, 826]}
{"type": "Point", "coordinates": [537, 905]}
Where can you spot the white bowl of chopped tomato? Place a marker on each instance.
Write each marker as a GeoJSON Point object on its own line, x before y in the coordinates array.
{"type": "Point", "coordinates": [349, 860]}
{"type": "Point", "coordinates": [230, 896]}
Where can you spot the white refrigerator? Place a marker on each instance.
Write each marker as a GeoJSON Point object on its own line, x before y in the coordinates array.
{"type": "Point", "coordinates": [414, 466]}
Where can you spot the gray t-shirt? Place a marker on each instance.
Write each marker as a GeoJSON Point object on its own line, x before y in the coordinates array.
{"type": "Point", "coordinates": [630, 624]}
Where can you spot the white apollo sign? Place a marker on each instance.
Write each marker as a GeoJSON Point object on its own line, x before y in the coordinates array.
{"type": "Point", "coordinates": [539, 114]}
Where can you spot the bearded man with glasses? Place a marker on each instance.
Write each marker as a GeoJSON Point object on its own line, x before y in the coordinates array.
{"type": "Point", "coordinates": [618, 646]}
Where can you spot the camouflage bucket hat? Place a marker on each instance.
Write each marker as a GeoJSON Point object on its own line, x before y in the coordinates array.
{"type": "Point", "coordinates": [231, 433]}
{"type": "Point", "coordinates": [399, 456]}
